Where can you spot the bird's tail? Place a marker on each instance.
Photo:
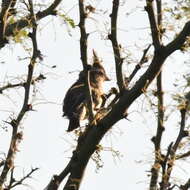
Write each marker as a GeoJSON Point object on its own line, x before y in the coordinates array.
{"type": "Point", "coordinates": [73, 124]}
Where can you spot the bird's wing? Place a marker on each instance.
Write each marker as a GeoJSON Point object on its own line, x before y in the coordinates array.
{"type": "Point", "coordinates": [74, 98]}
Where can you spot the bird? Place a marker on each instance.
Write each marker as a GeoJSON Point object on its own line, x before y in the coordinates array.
{"type": "Point", "coordinates": [75, 100]}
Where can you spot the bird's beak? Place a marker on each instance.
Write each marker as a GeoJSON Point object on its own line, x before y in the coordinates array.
{"type": "Point", "coordinates": [107, 78]}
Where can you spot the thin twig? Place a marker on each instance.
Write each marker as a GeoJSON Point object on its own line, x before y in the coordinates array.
{"type": "Point", "coordinates": [21, 84]}
{"type": "Point", "coordinates": [171, 160]}
{"type": "Point", "coordinates": [20, 182]}
{"type": "Point", "coordinates": [139, 65]}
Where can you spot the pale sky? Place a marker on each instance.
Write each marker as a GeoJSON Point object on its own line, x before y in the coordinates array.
{"type": "Point", "coordinates": [46, 144]}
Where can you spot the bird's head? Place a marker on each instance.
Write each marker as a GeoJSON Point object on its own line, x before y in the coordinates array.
{"type": "Point", "coordinates": [98, 73]}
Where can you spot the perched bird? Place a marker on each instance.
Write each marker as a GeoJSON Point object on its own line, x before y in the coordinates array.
{"type": "Point", "coordinates": [75, 101]}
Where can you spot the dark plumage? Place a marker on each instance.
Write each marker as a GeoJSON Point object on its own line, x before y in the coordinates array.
{"type": "Point", "coordinates": [74, 104]}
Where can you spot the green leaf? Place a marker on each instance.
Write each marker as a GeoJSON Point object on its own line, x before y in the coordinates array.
{"type": "Point", "coordinates": [68, 20]}
{"type": "Point", "coordinates": [20, 35]}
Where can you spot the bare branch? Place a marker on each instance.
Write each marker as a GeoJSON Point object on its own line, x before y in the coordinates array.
{"type": "Point", "coordinates": [17, 136]}
{"type": "Point", "coordinates": [159, 17]}
{"type": "Point", "coordinates": [12, 180]}
{"type": "Point", "coordinates": [84, 35]}
{"type": "Point", "coordinates": [20, 182]}
{"type": "Point", "coordinates": [184, 155]}
{"type": "Point", "coordinates": [178, 42]}
{"type": "Point", "coordinates": [21, 84]}
{"type": "Point", "coordinates": [158, 157]}
{"type": "Point", "coordinates": [182, 132]}
{"type": "Point", "coordinates": [139, 65]}
{"type": "Point", "coordinates": [186, 186]}
{"type": "Point", "coordinates": [170, 161]}
{"type": "Point", "coordinates": [166, 161]}
{"type": "Point", "coordinates": [84, 57]}
{"type": "Point", "coordinates": [153, 25]}
{"type": "Point", "coordinates": [116, 46]}
{"type": "Point", "coordinates": [57, 179]}
{"type": "Point", "coordinates": [157, 139]}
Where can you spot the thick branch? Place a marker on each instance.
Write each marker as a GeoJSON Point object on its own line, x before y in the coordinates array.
{"type": "Point", "coordinates": [184, 155]}
{"type": "Point", "coordinates": [57, 179]}
{"type": "Point", "coordinates": [178, 42]}
{"type": "Point", "coordinates": [116, 46]}
{"type": "Point", "coordinates": [186, 186]}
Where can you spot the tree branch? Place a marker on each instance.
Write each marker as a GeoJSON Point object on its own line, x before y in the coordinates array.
{"type": "Point", "coordinates": [157, 139]}
{"type": "Point", "coordinates": [184, 155]}
{"type": "Point", "coordinates": [167, 160]}
{"type": "Point", "coordinates": [116, 46]}
{"type": "Point", "coordinates": [178, 42]}
{"type": "Point", "coordinates": [158, 157]}
{"type": "Point", "coordinates": [21, 84]}
{"type": "Point", "coordinates": [57, 179]}
{"type": "Point", "coordinates": [186, 186]}
{"type": "Point", "coordinates": [84, 57]}
{"type": "Point", "coordinates": [153, 25]}
{"type": "Point", "coordinates": [159, 18]}
{"type": "Point", "coordinates": [6, 5]}
{"type": "Point", "coordinates": [14, 183]}
{"type": "Point", "coordinates": [24, 22]}
{"type": "Point", "coordinates": [139, 65]}
{"type": "Point", "coordinates": [171, 160]}
{"type": "Point", "coordinates": [17, 136]}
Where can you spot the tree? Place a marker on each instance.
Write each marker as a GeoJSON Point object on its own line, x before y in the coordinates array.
{"type": "Point", "coordinates": [161, 46]}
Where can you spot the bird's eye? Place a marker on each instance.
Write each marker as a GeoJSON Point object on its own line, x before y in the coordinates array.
{"type": "Point", "coordinates": [100, 73]}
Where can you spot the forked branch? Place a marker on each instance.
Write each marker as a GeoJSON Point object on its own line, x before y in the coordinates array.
{"type": "Point", "coordinates": [16, 135]}
{"type": "Point", "coordinates": [10, 29]}
{"type": "Point", "coordinates": [139, 65]}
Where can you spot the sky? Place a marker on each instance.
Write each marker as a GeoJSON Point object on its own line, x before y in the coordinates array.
{"type": "Point", "coordinates": [46, 144]}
